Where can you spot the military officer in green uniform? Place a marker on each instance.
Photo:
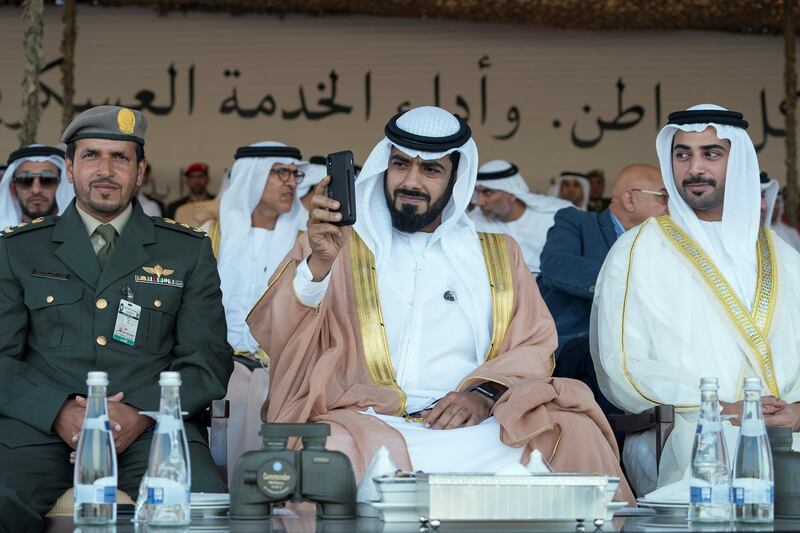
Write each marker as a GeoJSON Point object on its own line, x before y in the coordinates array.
{"type": "Point", "coordinates": [62, 283]}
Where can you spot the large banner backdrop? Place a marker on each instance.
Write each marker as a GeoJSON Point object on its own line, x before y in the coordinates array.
{"type": "Point", "coordinates": [547, 100]}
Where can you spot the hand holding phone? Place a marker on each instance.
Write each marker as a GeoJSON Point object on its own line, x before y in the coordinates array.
{"type": "Point", "coordinates": [342, 187]}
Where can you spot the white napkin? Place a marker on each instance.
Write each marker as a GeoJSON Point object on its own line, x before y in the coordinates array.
{"type": "Point", "coordinates": [380, 465]}
{"type": "Point", "coordinates": [537, 464]}
{"type": "Point", "coordinates": [677, 492]}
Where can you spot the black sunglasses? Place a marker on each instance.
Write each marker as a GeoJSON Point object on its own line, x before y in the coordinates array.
{"type": "Point", "coordinates": [46, 179]}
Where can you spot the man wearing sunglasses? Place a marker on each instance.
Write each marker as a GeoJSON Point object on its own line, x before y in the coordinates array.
{"type": "Point", "coordinates": [34, 185]}
{"type": "Point", "coordinates": [576, 247]}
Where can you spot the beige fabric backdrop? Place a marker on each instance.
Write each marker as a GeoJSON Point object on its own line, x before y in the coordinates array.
{"type": "Point", "coordinates": [549, 76]}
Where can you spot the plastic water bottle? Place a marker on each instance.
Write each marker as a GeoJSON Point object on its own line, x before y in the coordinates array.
{"type": "Point", "coordinates": [166, 484]}
{"type": "Point", "coordinates": [709, 493]}
{"type": "Point", "coordinates": [753, 476]}
{"type": "Point", "coordinates": [95, 477]}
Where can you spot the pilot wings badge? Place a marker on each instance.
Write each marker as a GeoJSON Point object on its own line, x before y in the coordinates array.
{"type": "Point", "coordinates": [159, 276]}
{"type": "Point", "coordinates": [159, 271]}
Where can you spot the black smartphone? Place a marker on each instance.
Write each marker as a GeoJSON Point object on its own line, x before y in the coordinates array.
{"type": "Point", "coordinates": [342, 187]}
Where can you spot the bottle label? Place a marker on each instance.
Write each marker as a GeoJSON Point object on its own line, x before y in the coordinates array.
{"type": "Point", "coordinates": [104, 490]}
{"type": "Point", "coordinates": [99, 422]}
{"type": "Point", "coordinates": [751, 490]}
{"type": "Point", "coordinates": [708, 494]}
{"type": "Point", "coordinates": [162, 491]}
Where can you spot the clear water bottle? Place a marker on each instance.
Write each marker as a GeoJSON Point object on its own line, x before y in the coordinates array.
{"type": "Point", "coordinates": [709, 493]}
{"type": "Point", "coordinates": [95, 477]}
{"type": "Point", "coordinates": [753, 478]}
{"type": "Point", "coordinates": [165, 489]}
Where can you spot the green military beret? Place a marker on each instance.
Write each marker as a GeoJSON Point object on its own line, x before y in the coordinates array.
{"type": "Point", "coordinates": [107, 122]}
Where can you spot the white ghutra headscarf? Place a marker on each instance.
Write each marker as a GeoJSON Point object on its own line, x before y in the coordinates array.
{"type": "Point", "coordinates": [731, 243]}
{"type": "Point", "coordinates": [10, 212]}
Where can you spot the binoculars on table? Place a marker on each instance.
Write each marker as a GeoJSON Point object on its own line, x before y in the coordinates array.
{"type": "Point", "coordinates": [275, 474]}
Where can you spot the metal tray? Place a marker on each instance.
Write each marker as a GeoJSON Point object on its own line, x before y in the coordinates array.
{"type": "Point", "coordinates": [480, 497]}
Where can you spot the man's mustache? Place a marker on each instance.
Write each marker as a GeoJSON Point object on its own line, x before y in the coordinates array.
{"type": "Point", "coordinates": [696, 180]}
{"type": "Point", "coordinates": [104, 181]}
{"type": "Point", "coordinates": [412, 194]}
{"type": "Point", "coordinates": [37, 197]}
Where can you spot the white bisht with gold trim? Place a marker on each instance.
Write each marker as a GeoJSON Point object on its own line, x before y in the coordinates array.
{"type": "Point", "coordinates": [664, 316]}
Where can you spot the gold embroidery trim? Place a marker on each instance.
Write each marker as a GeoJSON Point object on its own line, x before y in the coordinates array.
{"type": "Point", "coordinates": [215, 234]}
{"type": "Point", "coordinates": [495, 254]}
{"type": "Point", "coordinates": [767, 282]}
{"type": "Point", "coordinates": [753, 328]}
{"type": "Point", "coordinates": [370, 318]}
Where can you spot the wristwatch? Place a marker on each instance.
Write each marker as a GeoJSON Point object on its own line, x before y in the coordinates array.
{"type": "Point", "coordinates": [488, 389]}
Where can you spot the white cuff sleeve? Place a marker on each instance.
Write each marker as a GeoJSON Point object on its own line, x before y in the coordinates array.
{"type": "Point", "coordinates": [309, 292]}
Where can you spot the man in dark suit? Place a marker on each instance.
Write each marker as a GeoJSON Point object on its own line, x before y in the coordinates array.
{"type": "Point", "coordinates": [576, 247]}
{"type": "Point", "coordinates": [61, 283]}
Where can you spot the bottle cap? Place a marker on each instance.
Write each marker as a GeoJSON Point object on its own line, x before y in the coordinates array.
{"type": "Point", "coordinates": [752, 384]}
{"type": "Point", "coordinates": [709, 384]}
{"type": "Point", "coordinates": [97, 379]}
{"type": "Point", "coordinates": [170, 379]}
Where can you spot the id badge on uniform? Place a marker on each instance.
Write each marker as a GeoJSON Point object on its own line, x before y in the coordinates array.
{"type": "Point", "coordinates": [127, 322]}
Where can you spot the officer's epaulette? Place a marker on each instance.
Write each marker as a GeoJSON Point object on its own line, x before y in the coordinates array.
{"type": "Point", "coordinates": [184, 228]}
{"type": "Point", "coordinates": [37, 223]}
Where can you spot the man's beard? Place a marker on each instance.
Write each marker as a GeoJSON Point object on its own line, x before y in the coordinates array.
{"type": "Point", "coordinates": [711, 200]}
{"type": "Point", "coordinates": [46, 212]}
{"type": "Point", "coordinates": [102, 208]}
{"type": "Point", "coordinates": [407, 219]}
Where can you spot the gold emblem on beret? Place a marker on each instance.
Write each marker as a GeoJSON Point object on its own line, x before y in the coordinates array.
{"type": "Point", "coordinates": [126, 121]}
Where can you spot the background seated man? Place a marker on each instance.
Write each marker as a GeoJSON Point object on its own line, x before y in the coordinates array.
{"type": "Point", "coordinates": [35, 185]}
{"type": "Point", "coordinates": [507, 206]}
{"type": "Point", "coordinates": [573, 187]}
{"type": "Point", "coordinates": [597, 187]}
{"type": "Point", "coordinates": [197, 179]}
{"type": "Point", "coordinates": [256, 227]}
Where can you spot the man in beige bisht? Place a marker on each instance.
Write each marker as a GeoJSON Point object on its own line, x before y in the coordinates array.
{"type": "Point", "coordinates": [417, 333]}
{"type": "Point", "coordinates": [705, 291]}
